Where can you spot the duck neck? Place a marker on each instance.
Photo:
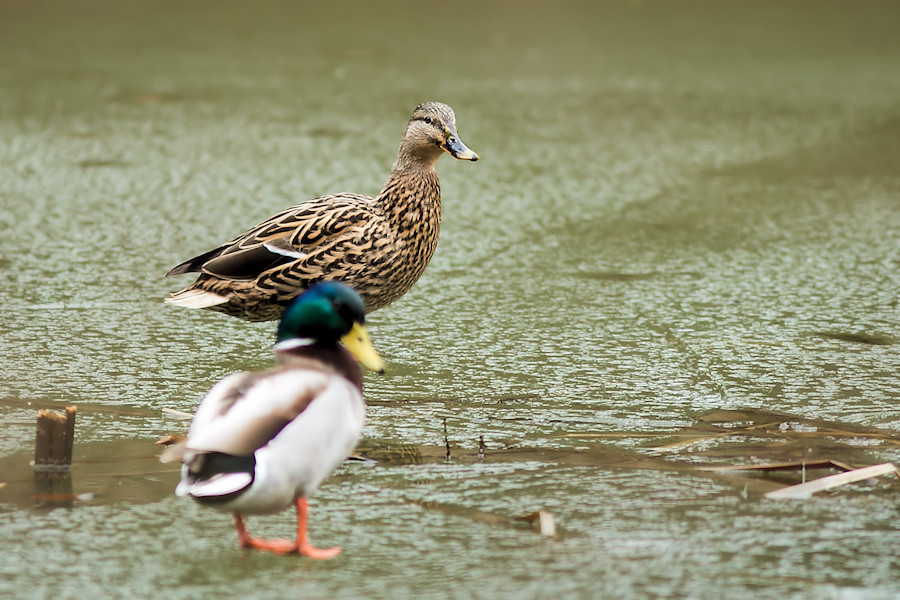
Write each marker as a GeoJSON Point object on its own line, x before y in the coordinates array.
{"type": "Point", "coordinates": [333, 355]}
{"type": "Point", "coordinates": [411, 199]}
{"type": "Point", "coordinates": [412, 156]}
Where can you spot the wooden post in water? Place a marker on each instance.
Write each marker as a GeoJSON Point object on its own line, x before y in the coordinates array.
{"type": "Point", "coordinates": [53, 446]}
{"type": "Point", "coordinates": [54, 440]}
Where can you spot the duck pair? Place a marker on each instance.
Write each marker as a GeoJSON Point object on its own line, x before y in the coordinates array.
{"type": "Point", "coordinates": [262, 442]}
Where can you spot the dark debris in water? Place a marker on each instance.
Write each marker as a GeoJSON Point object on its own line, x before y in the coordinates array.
{"type": "Point", "coordinates": [540, 520]}
{"type": "Point", "coordinates": [390, 453]}
{"type": "Point", "coordinates": [93, 163]}
{"type": "Point", "coordinates": [764, 450]}
{"type": "Point", "coordinates": [754, 451]}
{"type": "Point", "coordinates": [858, 338]}
{"type": "Point", "coordinates": [765, 436]}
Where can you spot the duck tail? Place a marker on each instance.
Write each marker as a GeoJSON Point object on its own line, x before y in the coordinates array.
{"type": "Point", "coordinates": [194, 298]}
{"type": "Point", "coordinates": [215, 477]}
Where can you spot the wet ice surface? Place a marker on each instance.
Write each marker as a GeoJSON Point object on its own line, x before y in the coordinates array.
{"type": "Point", "coordinates": [677, 210]}
{"type": "Point", "coordinates": [622, 533]}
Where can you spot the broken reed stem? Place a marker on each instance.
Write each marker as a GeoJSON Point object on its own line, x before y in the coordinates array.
{"type": "Point", "coordinates": [446, 440]}
{"type": "Point", "coordinates": [54, 440]}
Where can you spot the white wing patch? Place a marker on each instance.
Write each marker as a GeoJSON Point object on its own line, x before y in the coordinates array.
{"type": "Point", "coordinates": [220, 485]}
{"type": "Point", "coordinates": [283, 249]}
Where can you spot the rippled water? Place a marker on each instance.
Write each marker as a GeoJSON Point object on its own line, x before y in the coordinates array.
{"type": "Point", "coordinates": [680, 207]}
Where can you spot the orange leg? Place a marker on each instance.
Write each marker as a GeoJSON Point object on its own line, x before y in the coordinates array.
{"type": "Point", "coordinates": [303, 546]}
{"type": "Point", "coordinates": [274, 546]}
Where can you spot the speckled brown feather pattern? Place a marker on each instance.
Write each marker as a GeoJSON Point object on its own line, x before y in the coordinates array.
{"type": "Point", "coordinates": [379, 246]}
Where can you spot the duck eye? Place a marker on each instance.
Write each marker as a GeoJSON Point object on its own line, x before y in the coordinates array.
{"type": "Point", "coordinates": [429, 120]}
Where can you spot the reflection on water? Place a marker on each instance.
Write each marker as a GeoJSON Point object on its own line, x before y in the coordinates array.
{"type": "Point", "coordinates": [680, 207]}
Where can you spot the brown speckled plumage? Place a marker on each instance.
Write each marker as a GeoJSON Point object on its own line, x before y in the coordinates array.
{"type": "Point", "coordinates": [379, 246]}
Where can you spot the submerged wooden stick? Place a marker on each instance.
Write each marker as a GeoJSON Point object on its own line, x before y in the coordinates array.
{"type": "Point", "coordinates": [803, 491]}
{"type": "Point", "coordinates": [54, 440]}
{"type": "Point", "coordinates": [785, 466]}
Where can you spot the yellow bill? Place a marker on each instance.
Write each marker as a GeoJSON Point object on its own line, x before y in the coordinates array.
{"type": "Point", "coordinates": [360, 346]}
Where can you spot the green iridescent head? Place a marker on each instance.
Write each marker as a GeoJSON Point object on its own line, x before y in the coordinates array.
{"type": "Point", "coordinates": [323, 314]}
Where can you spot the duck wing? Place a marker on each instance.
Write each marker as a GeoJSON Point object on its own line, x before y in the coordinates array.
{"type": "Point", "coordinates": [245, 411]}
{"type": "Point", "coordinates": [290, 236]}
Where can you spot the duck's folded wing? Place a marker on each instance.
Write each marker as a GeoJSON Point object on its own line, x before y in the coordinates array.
{"type": "Point", "coordinates": [243, 412]}
{"type": "Point", "coordinates": [247, 264]}
{"type": "Point", "coordinates": [283, 238]}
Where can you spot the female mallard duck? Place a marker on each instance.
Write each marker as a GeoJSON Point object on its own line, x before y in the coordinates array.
{"type": "Point", "coordinates": [261, 442]}
{"type": "Point", "coordinates": [380, 246]}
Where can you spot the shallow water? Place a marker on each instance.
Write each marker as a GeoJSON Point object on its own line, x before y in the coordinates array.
{"type": "Point", "coordinates": [679, 207]}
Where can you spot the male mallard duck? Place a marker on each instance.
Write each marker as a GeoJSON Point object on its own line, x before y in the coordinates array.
{"type": "Point", "coordinates": [380, 245]}
{"type": "Point", "coordinates": [261, 442]}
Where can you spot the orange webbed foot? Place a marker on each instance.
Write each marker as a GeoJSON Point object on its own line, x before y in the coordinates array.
{"type": "Point", "coordinates": [318, 553]}
{"type": "Point", "coordinates": [304, 548]}
{"type": "Point", "coordinates": [245, 540]}
{"type": "Point", "coordinates": [280, 546]}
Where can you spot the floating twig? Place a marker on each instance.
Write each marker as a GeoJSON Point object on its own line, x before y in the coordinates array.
{"type": "Point", "coordinates": [178, 413]}
{"type": "Point", "coordinates": [786, 466]}
{"type": "Point", "coordinates": [673, 447]}
{"type": "Point", "coordinates": [749, 429]}
{"type": "Point", "coordinates": [803, 491]}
